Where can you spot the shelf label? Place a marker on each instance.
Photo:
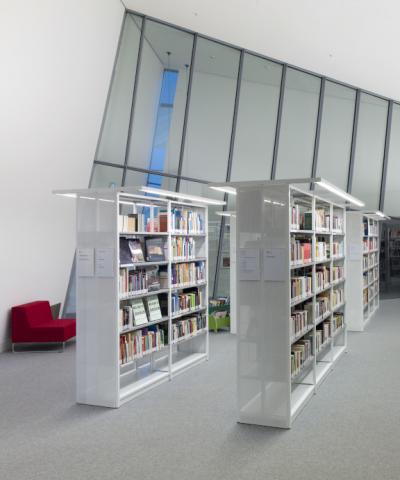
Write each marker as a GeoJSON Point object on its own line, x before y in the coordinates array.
{"type": "Point", "coordinates": [249, 264]}
{"type": "Point", "coordinates": [85, 262]}
{"type": "Point", "coordinates": [104, 262]}
{"type": "Point", "coordinates": [275, 269]}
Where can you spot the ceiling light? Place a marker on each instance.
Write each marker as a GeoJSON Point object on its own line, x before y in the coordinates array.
{"type": "Point", "coordinates": [337, 191]}
{"type": "Point", "coordinates": [226, 213]}
{"type": "Point", "coordinates": [380, 214]}
{"type": "Point", "coordinates": [183, 196]}
{"type": "Point", "coordinates": [230, 190]}
{"type": "Point", "coordinates": [70, 195]}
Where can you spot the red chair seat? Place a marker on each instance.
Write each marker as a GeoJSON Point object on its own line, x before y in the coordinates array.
{"type": "Point", "coordinates": [33, 322]}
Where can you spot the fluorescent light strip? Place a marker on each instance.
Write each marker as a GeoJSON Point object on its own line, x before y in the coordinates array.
{"type": "Point", "coordinates": [226, 214]}
{"type": "Point", "coordinates": [183, 196]}
{"type": "Point", "coordinates": [337, 191]}
{"type": "Point", "coordinates": [69, 195]}
{"type": "Point", "coordinates": [380, 214]}
{"type": "Point", "coordinates": [230, 190]}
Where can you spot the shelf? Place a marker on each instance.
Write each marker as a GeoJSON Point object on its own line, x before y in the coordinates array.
{"type": "Point", "coordinates": [322, 232]}
{"type": "Point", "coordinates": [189, 361]}
{"type": "Point", "coordinates": [143, 264]}
{"type": "Point", "coordinates": [324, 345]}
{"type": "Point", "coordinates": [303, 368]}
{"type": "Point", "coordinates": [323, 289]}
{"type": "Point", "coordinates": [303, 232]}
{"type": "Point", "coordinates": [337, 351]}
{"type": "Point", "coordinates": [337, 233]}
{"type": "Point", "coordinates": [152, 234]}
{"type": "Point", "coordinates": [176, 234]}
{"type": "Point", "coordinates": [296, 301]}
{"type": "Point", "coordinates": [323, 317]}
{"type": "Point", "coordinates": [199, 259]}
{"type": "Point", "coordinates": [338, 331]}
{"type": "Point", "coordinates": [189, 337]}
{"type": "Point", "coordinates": [188, 312]}
{"type": "Point", "coordinates": [131, 296]}
{"type": "Point", "coordinates": [301, 334]}
{"type": "Point", "coordinates": [321, 370]}
{"type": "Point", "coordinates": [182, 286]}
{"type": "Point", "coordinates": [142, 385]}
{"type": "Point", "coordinates": [338, 282]}
{"type": "Point", "coordinates": [321, 261]}
{"type": "Point", "coordinates": [337, 307]}
{"type": "Point", "coordinates": [145, 325]}
{"type": "Point", "coordinates": [339, 257]}
{"type": "Point", "coordinates": [299, 397]}
{"type": "Point", "coordinates": [294, 266]}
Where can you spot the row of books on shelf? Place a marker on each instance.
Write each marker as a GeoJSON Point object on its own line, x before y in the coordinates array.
{"type": "Point", "coordinates": [183, 248]}
{"type": "Point", "coordinates": [137, 251]}
{"type": "Point", "coordinates": [188, 327]}
{"type": "Point", "coordinates": [302, 220]}
{"type": "Point", "coordinates": [337, 297]}
{"type": "Point", "coordinates": [187, 221]}
{"type": "Point", "coordinates": [140, 312]}
{"type": "Point", "coordinates": [337, 273]}
{"type": "Point", "coordinates": [135, 345]}
{"type": "Point", "coordinates": [337, 249]}
{"type": "Point", "coordinates": [184, 273]}
{"type": "Point", "coordinates": [150, 221]}
{"type": "Point", "coordinates": [321, 277]}
{"type": "Point", "coordinates": [184, 302]}
{"type": "Point", "coordinates": [298, 323]}
{"type": "Point", "coordinates": [300, 251]}
{"type": "Point", "coordinates": [302, 350]}
{"type": "Point", "coordinates": [300, 286]}
{"type": "Point", "coordinates": [321, 305]}
{"type": "Point", "coordinates": [370, 227]}
{"type": "Point", "coordinates": [370, 244]}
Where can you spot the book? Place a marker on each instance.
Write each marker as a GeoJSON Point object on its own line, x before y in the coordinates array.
{"type": "Point", "coordinates": [155, 249]}
{"type": "Point", "coordinates": [153, 278]}
{"type": "Point", "coordinates": [136, 250]}
{"type": "Point", "coordinates": [125, 255]}
{"type": "Point", "coordinates": [139, 312]}
{"type": "Point", "coordinates": [153, 308]}
{"type": "Point", "coordinates": [163, 221]}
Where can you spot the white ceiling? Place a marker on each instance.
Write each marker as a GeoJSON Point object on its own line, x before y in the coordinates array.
{"type": "Point", "coordinates": [354, 41]}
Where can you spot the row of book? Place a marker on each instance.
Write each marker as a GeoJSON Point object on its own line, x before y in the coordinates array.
{"type": "Point", "coordinates": [133, 281]}
{"type": "Point", "coordinates": [153, 249]}
{"type": "Point", "coordinates": [184, 273]}
{"type": "Point", "coordinates": [187, 221]}
{"type": "Point", "coordinates": [322, 219]}
{"type": "Point", "coordinates": [373, 243]}
{"type": "Point", "coordinates": [300, 251]}
{"type": "Point", "coordinates": [140, 312]}
{"type": "Point", "coordinates": [337, 223]}
{"type": "Point", "coordinates": [300, 286]}
{"type": "Point", "coordinates": [322, 277]}
{"type": "Point", "coordinates": [298, 323]}
{"type": "Point", "coordinates": [143, 223]}
{"type": "Point", "coordinates": [188, 327]}
{"type": "Point", "coordinates": [337, 249]}
{"type": "Point", "coordinates": [321, 250]}
{"type": "Point", "coordinates": [370, 227]}
{"type": "Point", "coordinates": [338, 321]}
{"type": "Point", "coordinates": [322, 334]}
{"type": "Point", "coordinates": [135, 345]}
{"type": "Point", "coordinates": [183, 248]}
{"type": "Point", "coordinates": [337, 297]}
{"type": "Point", "coordinates": [337, 273]}
{"type": "Point", "coordinates": [301, 351]}
{"type": "Point", "coordinates": [184, 302]}
{"type": "Point", "coordinates": [322, 305]}
{"type": "Point", "coordinates": [365, 262]}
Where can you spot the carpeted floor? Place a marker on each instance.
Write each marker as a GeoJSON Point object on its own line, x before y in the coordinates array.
{"type": "Point", "coordinates": [187, 429]}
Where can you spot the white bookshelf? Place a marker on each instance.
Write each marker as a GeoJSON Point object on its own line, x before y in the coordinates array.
{"type": "Point", "coordinates": [103, 377]}
{"type": "Point", "coordinates": [270, 391]}
{"type": "Point", "coordinates": [362, 268]}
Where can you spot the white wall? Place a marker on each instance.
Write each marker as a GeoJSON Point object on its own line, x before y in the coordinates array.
{"type": "Point", "coordinates": [56, 62]}
{"type": "Point", "coordinates": [355, 41]}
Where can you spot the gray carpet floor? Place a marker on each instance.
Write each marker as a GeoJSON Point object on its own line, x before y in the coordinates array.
{"type": "Point", "coordinates": [187, 429]}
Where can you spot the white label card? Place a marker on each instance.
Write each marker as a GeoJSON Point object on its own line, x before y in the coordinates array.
{"type": "Point", "coordinates": [85, 262]}
{"type": "Point", "coordinates": [249, 264]}
{"type": "Point", "coordinates": [275, 267]}
{"type": "Point", "coordinates": [104, 262]}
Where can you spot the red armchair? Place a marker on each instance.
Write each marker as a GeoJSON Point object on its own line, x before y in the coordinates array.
{"type": "Point", "coordinates": [33, 323]}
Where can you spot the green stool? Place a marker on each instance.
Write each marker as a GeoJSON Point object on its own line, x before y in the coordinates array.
{"type": "Point", "coordinates": [216, 320]}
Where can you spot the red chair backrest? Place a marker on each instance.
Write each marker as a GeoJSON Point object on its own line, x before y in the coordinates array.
{"type": "Point", "coordinates": [32, 314]}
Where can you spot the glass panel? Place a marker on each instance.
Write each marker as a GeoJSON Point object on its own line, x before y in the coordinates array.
{"type": "Point", "coordinates": [105, 176]}
{"type": "Point", "coordinates": [370, 144]}
{"type": "Point", "coordinates": [214, 222]}
{"type": "Point", "coordinates": [299, 121]}
{"type": "Point", "coordinates": [256, 121]}
{"type": "Point", "coordinates": [161, 98]}
{"type": "Point", "coordinates": [139, 179]}
{"type": "Point", "coordinates": [392, 193]}
{"type": "Point", "coordinates": [115, 131]}
{"type": "Point", "coordinates": [336, 134]}
{"type": "Point", "coordinates": [211, 111]}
